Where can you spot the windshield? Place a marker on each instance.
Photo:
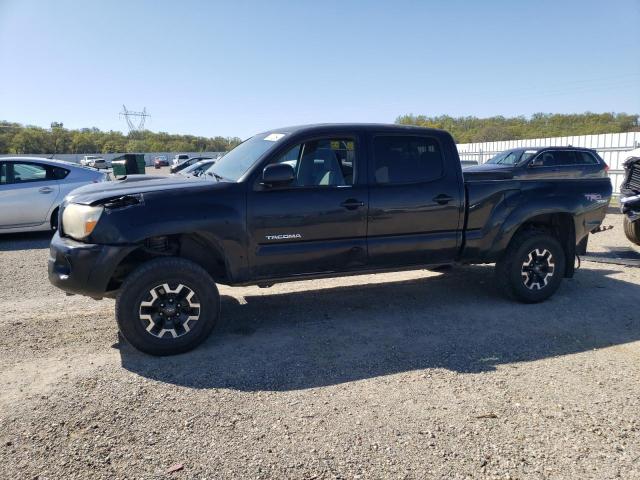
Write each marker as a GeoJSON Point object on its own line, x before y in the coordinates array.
{"type": "Point", "coordinates": [510, 157]}
{"type": "Point", "coordinates": [235, 163]}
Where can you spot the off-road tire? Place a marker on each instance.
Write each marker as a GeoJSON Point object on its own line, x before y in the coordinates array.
{"type": "Point", "coordinates": [521, 250]}
{"type": "Point", "coordinates": [632, 230]}
{"type": "Point", "coordinates": [136, 290]}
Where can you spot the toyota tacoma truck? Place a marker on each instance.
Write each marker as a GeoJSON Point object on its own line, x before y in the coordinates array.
{"type": "Point", "coordinates": [308, 202]}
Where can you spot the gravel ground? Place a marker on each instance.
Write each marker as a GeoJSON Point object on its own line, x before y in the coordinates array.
{"type": "Point", "coordinates": [406, 375]}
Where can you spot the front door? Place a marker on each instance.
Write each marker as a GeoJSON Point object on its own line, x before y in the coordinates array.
{"type": "Point", "coordinates": [316, 223]}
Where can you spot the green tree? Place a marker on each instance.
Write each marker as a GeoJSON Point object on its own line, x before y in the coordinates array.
{"type": "Point", "coordinates": [473, 129]}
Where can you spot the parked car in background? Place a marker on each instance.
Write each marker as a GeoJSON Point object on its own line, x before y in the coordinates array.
{"type": "Point", "coordinates": [186, 163]}
{"type": "Point", "coordinates": [31, 189]}
{"type": "Point", "coordinates": [179, 158]}
{"type": "Point", "coordinates": [630, 197]}
{"type": "Point", "coordinates": [197, 169]}
{"type": "Point", "coordinates": [160, 161]}
{"type": "Point", "coordinates": [540, 163]}
{"type": "Point", "coordinates": [94, 161]}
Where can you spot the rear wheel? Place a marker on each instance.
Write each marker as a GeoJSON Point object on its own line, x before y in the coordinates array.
{"type": "Point", "coordinates": [167, 306]}
{"type": "Point", "coordinates": [632, 230]}
{"type": "Point", "coordinates": [532, 267]}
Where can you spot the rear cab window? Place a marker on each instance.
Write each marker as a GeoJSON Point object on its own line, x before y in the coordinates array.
{"type": "Point", "coordinates": [406, 159]}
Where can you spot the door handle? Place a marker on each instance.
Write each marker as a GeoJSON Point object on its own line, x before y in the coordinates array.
{"type": "Point", "coordinates": [352, 204]}
{"type": "Point", "coordinates": [45, 190]}
{"type": "Point", "coordinates": [442, 199]}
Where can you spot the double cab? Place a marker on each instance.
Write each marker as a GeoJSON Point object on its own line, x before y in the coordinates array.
{"type": "Point", "coordinates": [307, 202]}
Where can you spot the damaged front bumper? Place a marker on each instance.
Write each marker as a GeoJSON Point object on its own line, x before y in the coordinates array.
{"type": "Point", "coordinates": [82, 268]}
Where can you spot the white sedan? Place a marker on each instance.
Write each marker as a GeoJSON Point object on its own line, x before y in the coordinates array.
{"type": "Point", "coordinates": [31, 190]}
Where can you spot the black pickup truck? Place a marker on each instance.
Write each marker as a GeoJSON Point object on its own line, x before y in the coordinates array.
{"type": "Point", "coordinates": [308, 202]}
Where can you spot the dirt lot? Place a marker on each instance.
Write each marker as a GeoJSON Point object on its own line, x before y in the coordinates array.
{"type": "Point", "coordinates": [408, 375]}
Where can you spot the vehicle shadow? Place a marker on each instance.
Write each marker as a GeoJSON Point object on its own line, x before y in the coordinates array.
{"type": "Point", "coordinates": [24, 241]}
{"type": "Point", "coordinates": [457, 321]}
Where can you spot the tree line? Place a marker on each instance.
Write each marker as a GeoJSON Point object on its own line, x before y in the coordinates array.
{"type": "Point", "coordinates": [18, 138]}
{"type": "Point", "coordinates": [539, 125]}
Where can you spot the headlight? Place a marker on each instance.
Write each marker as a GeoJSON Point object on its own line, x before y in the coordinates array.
{"type": "Point", "coordinates": [78, 221]}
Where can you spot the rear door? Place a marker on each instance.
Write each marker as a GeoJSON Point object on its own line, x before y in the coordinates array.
{"type": "Point", "coordinates": [27, 193]}
{"type": "Point", "coordinates": [415, 201]}
{"type": "Point", "coordinates": [318, 222]}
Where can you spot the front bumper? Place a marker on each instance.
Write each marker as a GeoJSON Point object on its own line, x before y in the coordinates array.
{"type": "Point", "coordinates": [83, 268]}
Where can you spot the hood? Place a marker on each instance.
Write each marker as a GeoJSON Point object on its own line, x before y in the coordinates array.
{"type": "Point", "coordinates": [135, 184]}
{"type": "Point", "coordinates": [488, 171]}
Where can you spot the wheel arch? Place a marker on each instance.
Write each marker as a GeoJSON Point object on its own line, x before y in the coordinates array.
{"type": "Point", "coordinates": [559, 224]}
{"type": "Point", "coordinates": [199, 248]}
{"type": "Point", "coordinates": [54, 221]}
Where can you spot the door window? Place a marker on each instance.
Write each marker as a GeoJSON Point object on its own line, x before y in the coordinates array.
{"type": "Point", "coordinates": [586, 158]}
{"type": "Point", "coordinates": [322, 163]}
{"type": "Point", "coordinates": [558, 158]}
{"type": "Point", "coordinates": [406, 159]}
{"type": "Point", "coordinates": [31, 172]}
{"type": "Point", "coordinates": [28, 172]}
{"type": "Point", "coordinates": [3, 173]}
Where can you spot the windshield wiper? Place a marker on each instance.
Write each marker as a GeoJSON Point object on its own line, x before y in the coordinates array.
{"type": "Point", "coordinates": [219, 178]}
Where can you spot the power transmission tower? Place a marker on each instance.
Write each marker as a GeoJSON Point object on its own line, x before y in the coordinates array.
{"type": "Point", "coordinates": [135, 120]}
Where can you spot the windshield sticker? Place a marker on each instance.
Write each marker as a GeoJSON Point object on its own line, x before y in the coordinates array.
{"type": "Point", "coordinates": [274, 137]}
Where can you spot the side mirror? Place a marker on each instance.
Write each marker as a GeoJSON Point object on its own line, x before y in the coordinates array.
{"type": "Point", "coordinates": [277, 174]}
{"type": "Point", "coordinates": [536, 162]}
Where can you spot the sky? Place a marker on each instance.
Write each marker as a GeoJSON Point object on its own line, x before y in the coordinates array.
{"type": "Point", "coordinates": [234, 68]}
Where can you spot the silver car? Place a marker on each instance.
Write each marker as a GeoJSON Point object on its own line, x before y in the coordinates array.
{"type": "Point", "coordinates": [31, 189]}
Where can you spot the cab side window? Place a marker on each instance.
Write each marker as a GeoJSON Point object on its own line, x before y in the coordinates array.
{"type": "Point", "coordinates": [406, 159]}
{"type": "Point", "coordinates": [322, 163]}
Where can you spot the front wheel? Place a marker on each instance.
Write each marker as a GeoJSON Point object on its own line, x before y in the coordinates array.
{"type": "Point", "coordinates": [532, 267]}
{"type": "Point", "coordinates": [167, 306]}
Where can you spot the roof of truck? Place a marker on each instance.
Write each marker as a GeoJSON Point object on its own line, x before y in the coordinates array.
{"type": "Point", "coordinates": [351, 126]}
